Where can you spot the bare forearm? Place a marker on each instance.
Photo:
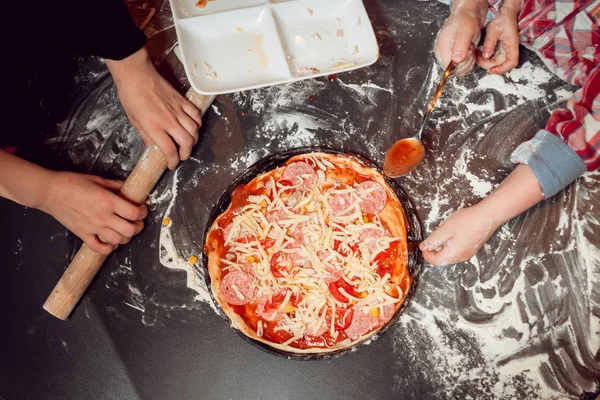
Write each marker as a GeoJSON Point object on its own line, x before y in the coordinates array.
{"type": "Point", "coordinates": [21, 181]}
{"type": "Point", "coordinates": [119, 69]}
{"type": "Point", "coordinates": [517, 193]}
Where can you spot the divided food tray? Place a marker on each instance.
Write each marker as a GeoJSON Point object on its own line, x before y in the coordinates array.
{"type": "Point", "coordinates": [233, 45]}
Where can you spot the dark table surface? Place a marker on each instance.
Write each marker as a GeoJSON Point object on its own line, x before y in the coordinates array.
{"type": "Point", "coordinates": [519, 320]}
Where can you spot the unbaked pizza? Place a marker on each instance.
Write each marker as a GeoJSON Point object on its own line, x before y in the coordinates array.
{"type": "Point", "coordinates": [310, 257]}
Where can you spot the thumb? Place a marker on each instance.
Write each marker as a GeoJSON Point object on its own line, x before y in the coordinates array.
{"type": "Point", "coordinates": [436, 249]}
{"type": "Point", "coordinates": [446, 256]}
{"type": "Point", "coordinates": [462, 44]}
{"type": "Point", "coordinates": [438, 239]}
{"type": "Point", "coordinates": [490, 43]}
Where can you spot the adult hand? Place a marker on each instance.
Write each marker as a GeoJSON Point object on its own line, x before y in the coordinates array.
{"type": "Point", "coordinates": [459, 237]}
{"type": "Point", "coordinates": [89, 207]}
{"type": "Point", "coordinates": [459, 37]}
{"type": "Point", "coordinates": [500, 52]}
{"type": "Point", "coordinates": [159, 113]}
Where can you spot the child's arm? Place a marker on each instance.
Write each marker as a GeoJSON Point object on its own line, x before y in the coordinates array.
{"type": "Point", "coordinates": [86, 205]}
{"type": "Point", "coordinates": [462, 235]}
{"type": "Point", "coordinates": [550, 161]}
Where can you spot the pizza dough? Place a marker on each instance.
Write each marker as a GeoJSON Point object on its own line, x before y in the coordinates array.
{"type": "Point", "coordinates": [310, 257]}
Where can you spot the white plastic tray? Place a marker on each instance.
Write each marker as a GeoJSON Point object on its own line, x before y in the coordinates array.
{"type": "Point", "coordinates": [234, 45]}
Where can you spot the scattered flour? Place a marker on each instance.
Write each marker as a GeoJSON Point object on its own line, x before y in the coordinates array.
{"type": "Point", "coordinates": [481, 188]}
{"type": "Point", "coordinates": [171, 258]}
{"type": "Point", "coordinates": [513, 345]}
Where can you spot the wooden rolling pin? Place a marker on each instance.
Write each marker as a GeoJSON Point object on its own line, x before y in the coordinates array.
{"type": "Point", "coordinates": [136, 189]}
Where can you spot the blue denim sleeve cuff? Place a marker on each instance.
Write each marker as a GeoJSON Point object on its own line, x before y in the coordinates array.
{"type": "Point", "coordinates": [553, 162]}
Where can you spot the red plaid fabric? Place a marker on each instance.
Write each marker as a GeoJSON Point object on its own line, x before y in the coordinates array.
{"type": "Point", "coordinates": [579, 125]}
{"type": "Point", "coordinates": [566, 36]}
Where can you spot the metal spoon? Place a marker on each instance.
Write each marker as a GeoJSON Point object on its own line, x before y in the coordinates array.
{"type": "Point", "coordinates": [406, 154]}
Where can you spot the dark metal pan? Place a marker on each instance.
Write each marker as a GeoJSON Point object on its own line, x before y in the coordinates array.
{"type": "Point", "coordinates": [413, 227]}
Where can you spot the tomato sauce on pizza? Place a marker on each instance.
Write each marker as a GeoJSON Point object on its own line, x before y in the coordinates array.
{"type": "Point", "coordinates": [311, 256]}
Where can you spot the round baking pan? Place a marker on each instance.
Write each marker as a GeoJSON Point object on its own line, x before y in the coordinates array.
{"type": "Point", "coordinates": [414, 232]}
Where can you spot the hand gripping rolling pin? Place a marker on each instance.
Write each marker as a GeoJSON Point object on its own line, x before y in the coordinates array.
{"type": "Point", "coordinates": [86, 263]}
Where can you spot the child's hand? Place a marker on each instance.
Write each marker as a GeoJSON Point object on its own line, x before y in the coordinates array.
{"type": "Point", "coordinates": [88, 207]}
{"type": "Point", "coordinates": [159, 113]}
{"type": "Point", "coordinates": [459, 237]}
{"type": "Point", "coordinates": [457, 40]}
{"type": "Point", "coordinates": [500, 51]}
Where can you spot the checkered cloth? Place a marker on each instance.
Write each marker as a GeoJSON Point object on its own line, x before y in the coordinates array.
{"type": "Point", "coordinates": [579, 124]}
{"type": "Point", "coordinates": [566, 36]}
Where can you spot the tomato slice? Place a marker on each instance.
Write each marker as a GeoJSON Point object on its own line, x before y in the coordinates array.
{"type": "Point", "coordinates": [279, 336]}
{"type": "Point", "coordinates": [276, 266]}
{"type": "Point", "coordinates": [347, 287]}
{"type": "Point", "coordinates": [288, 185]}
{"type": "Point", "coordinates": [343, 318]}
{"type": "Point", "coordinates": [273, 305]}
{"type": "Point", "coordinates": [335, 292]}
{"type": "Point", "coordinates": [296, 299]}
{"type": "Point", "coordinates": [267, 243]}
{"type": "Point", "coordinates": [243, 239]}
{"type": "Point", "coordinates": [334, 288]}
{"type": "Point", "coordinates": [277, 300]}
{"type": "Point", "coordinates": [385, 259]}
{"type": "Point", "coordinates": [336, 244]}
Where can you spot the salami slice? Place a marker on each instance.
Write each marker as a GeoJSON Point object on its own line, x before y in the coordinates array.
{"type": "Point", "coordinates": [240, 234]}
{"type": "Point", "coordinates": [311, 329]}
{"type": "Point", "coordinates": [298, 258]}
{"type": "Point", "coordinates": [361, 323]}
{"type": "Point", "coordinates": [266, 312]}
{"type": "Point", "coordinates": [275, 215]}
{"type": "Point", "coordinates": [388, 313]}
{"type": "Point", "coordinates": [333, 273]}
{"type": "Point", "coordinates": [300, 172]}
{"type": "Point", "coordinates": [248, 268]}
{"type": "Point", "coordinates": [340, 203]}
{"type": "Point", "coordinates": [297, 232]}
{"type": "Point", "coordinates": [373, 195]}
{"type": "Point", "coordinates": [236, 288]}
{"type": "Point", "coordinates": [368, 238]}
{"type": "Point", "coordinates": [294, 198]}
